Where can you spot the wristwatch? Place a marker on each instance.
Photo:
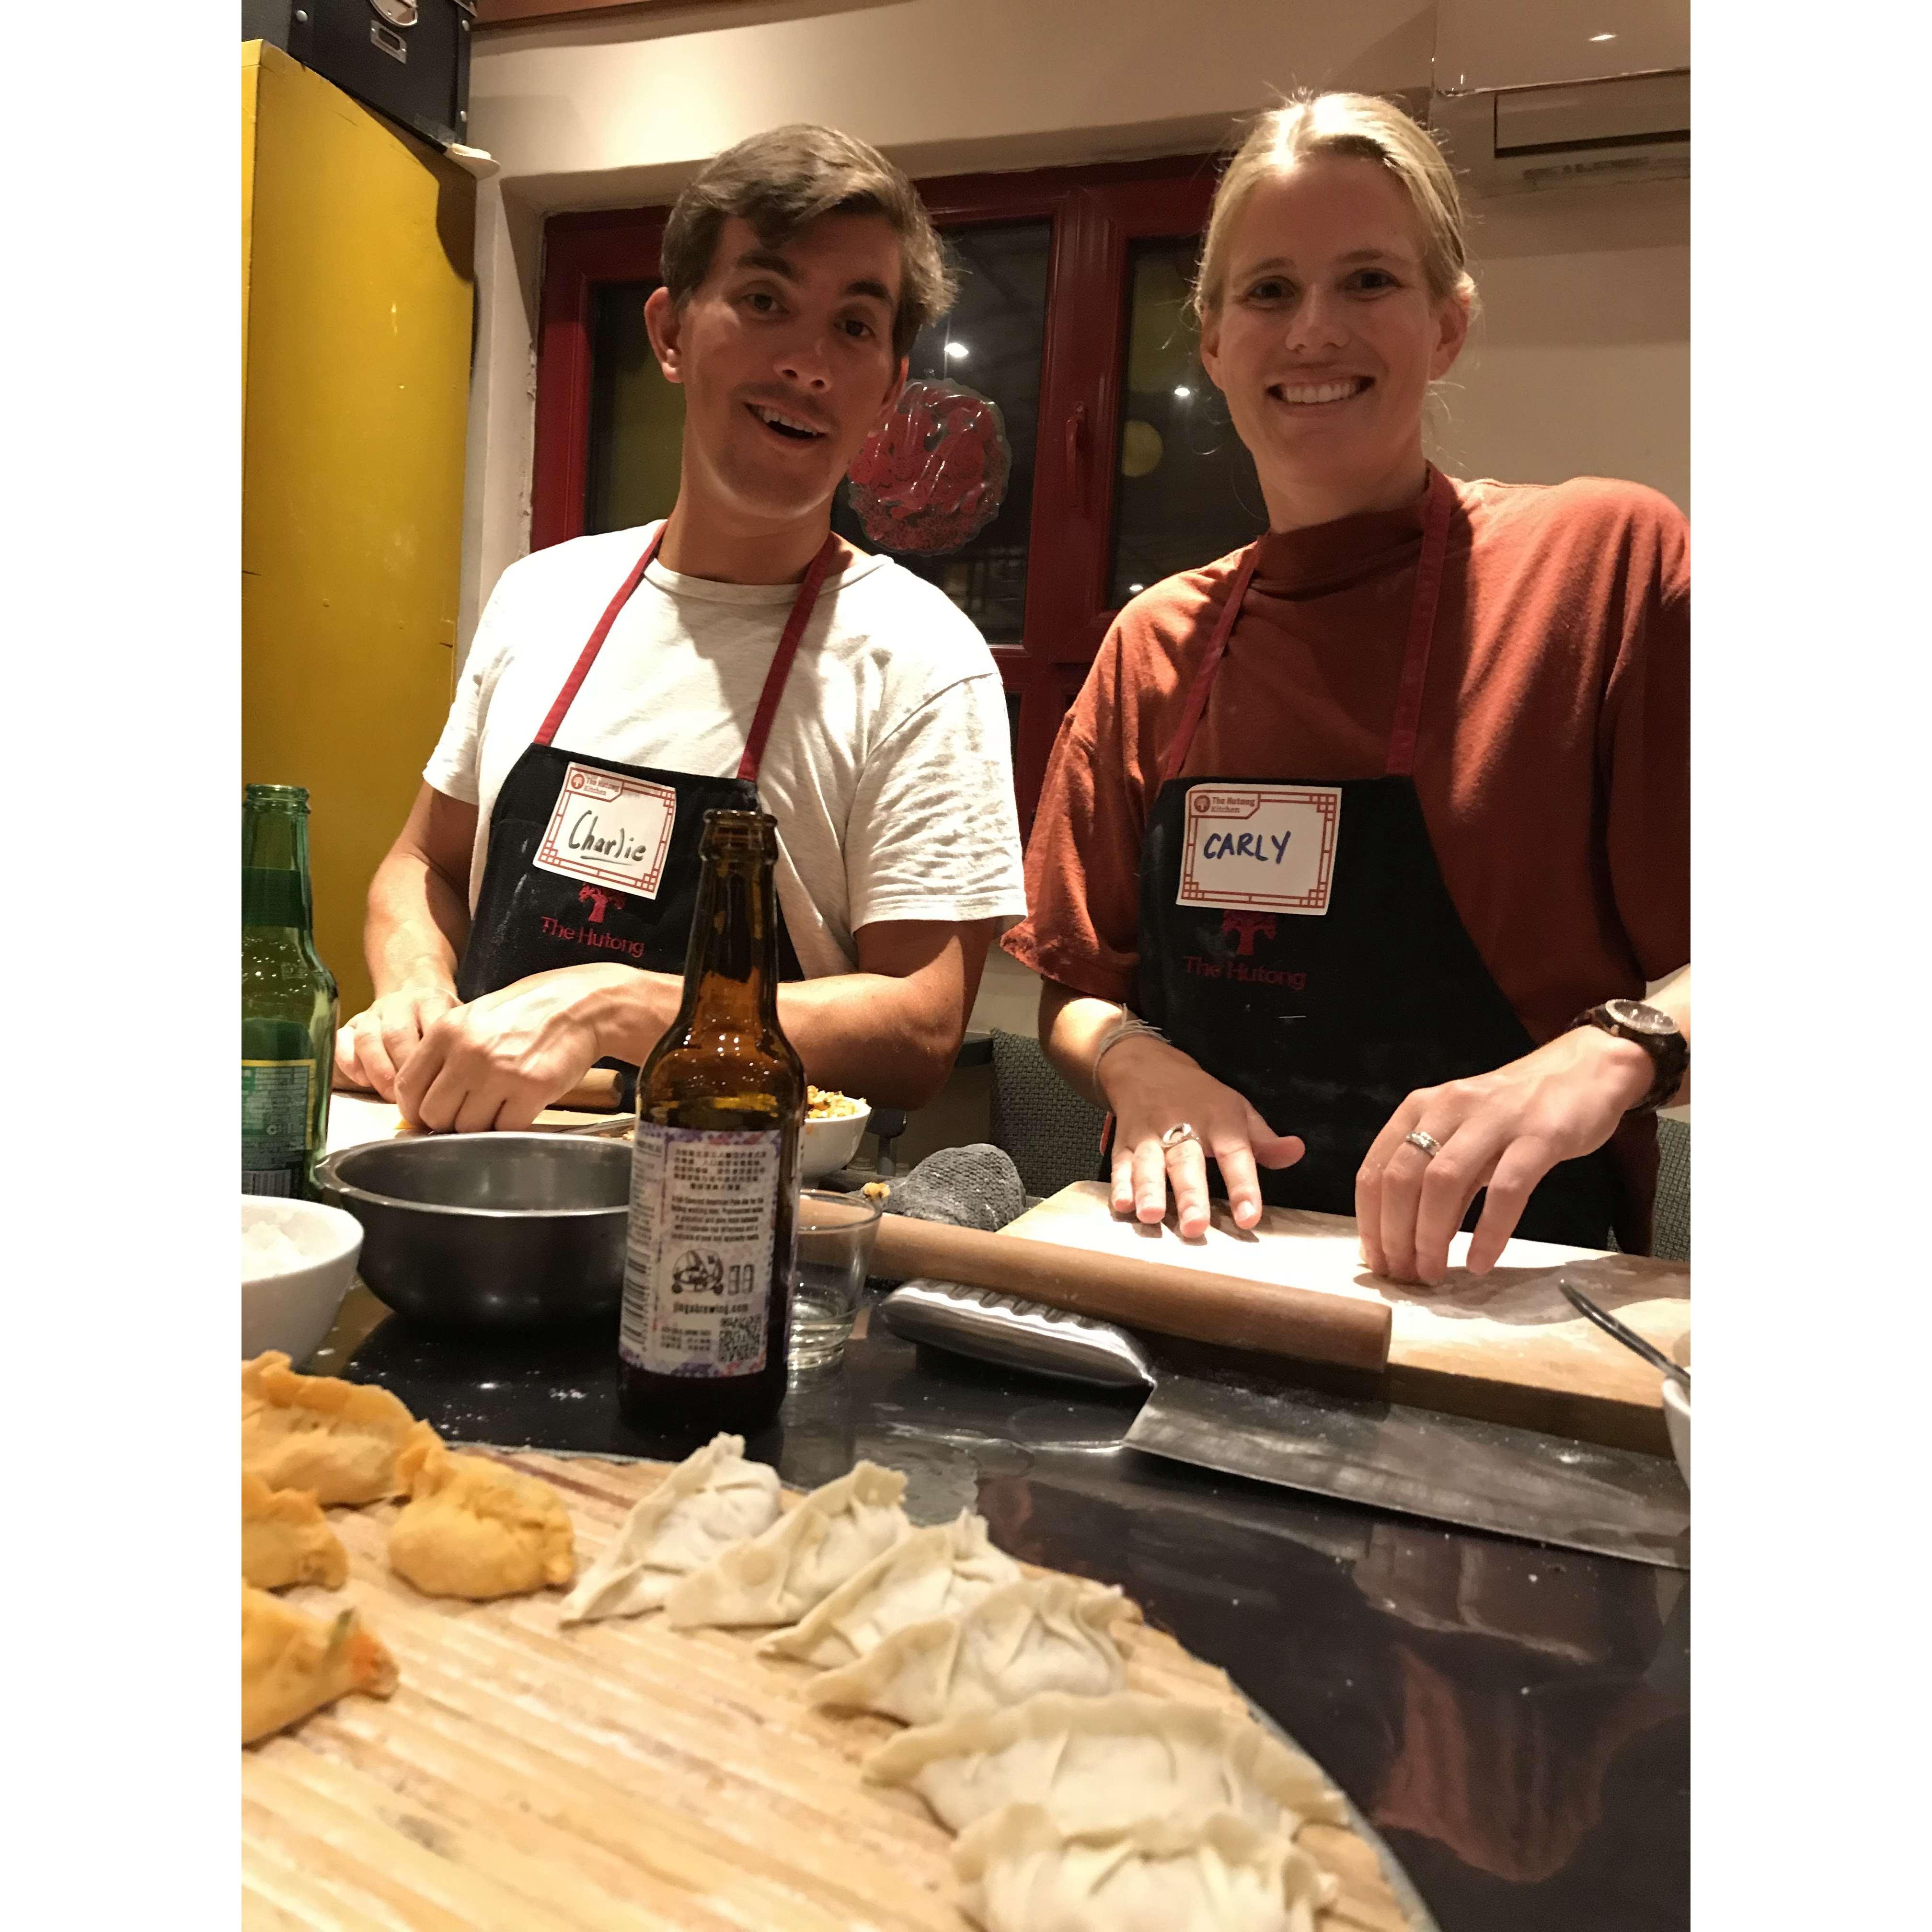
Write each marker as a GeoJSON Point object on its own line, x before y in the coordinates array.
{"type": "Point", "coordinates": [1656, 1032]}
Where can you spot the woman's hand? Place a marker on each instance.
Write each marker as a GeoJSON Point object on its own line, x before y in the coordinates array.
{"type": "Point", "coordinates": [1151, 1086]}
{"type": "Point", "coordinates": [1504, 1131]}
{"type": "Point", "coordinates": [499, 1061]}
{"type": "Point", "coordinates": [372, 1049]}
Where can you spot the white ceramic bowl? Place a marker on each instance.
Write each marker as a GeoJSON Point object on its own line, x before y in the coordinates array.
{"type": "Point", "coordinates": [826, 1146]}
{"type": "Point", "coordinates": [1677, 1420]}
{"type": "Point", "coordinates": [293, 1307]}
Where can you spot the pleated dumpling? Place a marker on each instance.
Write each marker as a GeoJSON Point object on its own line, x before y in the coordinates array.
{"type": "Point", "coordinates": [1042, 1633]}
{"type": "Point", "coordinates": [935, 1572]}
{"type": "Point", "coordinates": [778, 1575]}
{"type": "Point", "coordinates": [713, 1499]}
{"type": "Point", "coordinates": [337, 1440]}
{"type": "Point", "coordinates": [474, 1527]}
{"type": "Point", "coordinates": [286, 1539]}
{"type": "Point", "coordinates": [293, 1664]}
{"type": "Point", "coordinates": [1098, 1763]}
{"type": "Point", "coordinates": [1022, 1872]}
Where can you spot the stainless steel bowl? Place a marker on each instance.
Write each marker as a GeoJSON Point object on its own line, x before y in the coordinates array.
{"type": "Point", "coordinates": [500, 1231]}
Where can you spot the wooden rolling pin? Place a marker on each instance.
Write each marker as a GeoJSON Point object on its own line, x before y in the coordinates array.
{"type": "Point", "coordinates": [1271, 1317]}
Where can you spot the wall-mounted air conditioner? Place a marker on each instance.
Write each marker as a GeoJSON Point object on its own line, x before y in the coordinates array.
{"type": "Point", "coordinates": [1635, 127]}
{"type": "Point", "coordinates": [1562, 94]}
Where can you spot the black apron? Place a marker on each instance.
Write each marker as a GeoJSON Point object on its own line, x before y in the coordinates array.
{"type": "Point", "coordinates": [1326, 1021]}
{"type": "Point", "coordinates": [590, 859]}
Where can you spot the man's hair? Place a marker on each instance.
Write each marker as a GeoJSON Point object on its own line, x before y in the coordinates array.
{"type": "Point", "coordinates": [783, 181]}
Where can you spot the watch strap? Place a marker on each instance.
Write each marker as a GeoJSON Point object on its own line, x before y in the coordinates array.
{"type": "Point", "coordinates": [1669, 1053]}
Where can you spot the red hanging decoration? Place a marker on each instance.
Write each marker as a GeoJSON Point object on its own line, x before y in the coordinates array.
{"type": "Point", "coordinates": [934, 475]}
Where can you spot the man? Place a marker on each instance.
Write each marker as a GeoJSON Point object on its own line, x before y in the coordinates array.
{"type": "Point", "coordinates": [531, 918]}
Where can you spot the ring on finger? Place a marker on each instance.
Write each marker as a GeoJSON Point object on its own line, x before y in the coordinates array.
{"type": "Point", "coordinates": [1179, 1135]}
{"type": "Point", "coordinates": [1430, 1146]}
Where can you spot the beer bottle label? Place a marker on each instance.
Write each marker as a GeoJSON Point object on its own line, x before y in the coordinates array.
{"type": "Point", "coordinates": [698, 1265]}
{"type": "Point", "coordinates": [274, 1125]}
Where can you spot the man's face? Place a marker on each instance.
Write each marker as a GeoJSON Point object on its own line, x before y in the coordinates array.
{"type": "Point", "coordinates": [785, 357]}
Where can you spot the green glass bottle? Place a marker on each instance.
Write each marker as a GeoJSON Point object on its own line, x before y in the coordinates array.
{"type": "Point", "coordinates": [288, 999]}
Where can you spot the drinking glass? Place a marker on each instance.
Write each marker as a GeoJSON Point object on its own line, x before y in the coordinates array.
{"type": "Point", "coordinates": [835, 1233]}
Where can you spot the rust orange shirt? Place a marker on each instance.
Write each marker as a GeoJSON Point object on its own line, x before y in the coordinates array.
{"type": "Point", "coordinates": [1552, 763]}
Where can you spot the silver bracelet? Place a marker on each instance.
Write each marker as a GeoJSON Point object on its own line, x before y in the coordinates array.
{"type": "Point", "coordinates": [1131, 1027]}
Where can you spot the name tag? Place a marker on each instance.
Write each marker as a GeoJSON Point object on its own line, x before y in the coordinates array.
{"type": "Point", "coordinates": [609, 829]}
{"type": "Point", "coordinates": [1269, 848]}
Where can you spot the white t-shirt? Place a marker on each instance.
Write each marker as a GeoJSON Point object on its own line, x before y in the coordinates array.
{"type": "Point", "coordinates": [887, 768]}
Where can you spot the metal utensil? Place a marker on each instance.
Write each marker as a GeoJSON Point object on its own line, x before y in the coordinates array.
{"type": "Point", "coordinates": [502, 1230]}
{"type": "Point", "coordinates": [1483, 1475]}
{"type": "Point", "coordinates": [1675, 1371]}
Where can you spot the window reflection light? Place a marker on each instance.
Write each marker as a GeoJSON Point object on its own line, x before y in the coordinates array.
{"type": "Point", "coordinates": [1183, 391]}
{"type": "Point", "coordinates": [1603, 37]}
{"type": "Point", "coordinates": [957, 350]}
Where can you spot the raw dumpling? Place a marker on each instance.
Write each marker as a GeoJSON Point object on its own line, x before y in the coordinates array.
{"type": "Point", "coordinates": [337, 1440]}
{"type": "Point", "coordinates": [1041, 1633]}
{"type": "Point", "coordinates": [473, 1528]}
{"type": "Point", "coordinates": [780, 1573]}
{"type": "Point", "coordinates": [1022, 1873]}
{"type": "Point", "coordinates": [713, 1499]}
{"type": "Point", "coordinates": [1098, 1763]}
{"type": "Point", "coordinates": [286, 1539]}
{"type": "Point", "coordinates": [935, 1572]}
{"type": "Point", "coordinates": [293, 1664]}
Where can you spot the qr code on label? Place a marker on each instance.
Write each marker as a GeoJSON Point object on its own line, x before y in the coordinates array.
{"type": "Point", "coordinates": [741, 1338]}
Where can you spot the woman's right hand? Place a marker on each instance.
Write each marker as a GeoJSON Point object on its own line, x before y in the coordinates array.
{"type": "Point", "coordinates": [1151, 1087]}
{"type": "Point", "coordinates": [372, 1049]}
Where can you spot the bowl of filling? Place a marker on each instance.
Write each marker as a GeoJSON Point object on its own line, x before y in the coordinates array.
{"type": "Point", "coordinates": [298, 1261]}
{"type": "Point", "coordinates": [834, 1124]}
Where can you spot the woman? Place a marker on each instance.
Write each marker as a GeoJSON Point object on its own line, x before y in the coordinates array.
{"type": "Point", "coordinates": [1350, 835]}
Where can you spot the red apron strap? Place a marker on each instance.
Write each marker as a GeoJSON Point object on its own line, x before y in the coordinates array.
{"type": "Point", "coordinates": [1203, 678]}
{"type": "Point", "coordinates": [780, 665]}
{"type": "Point", "coordinates": [588, 655]}
{"type": "Point", "coordinates": [1421, 625]}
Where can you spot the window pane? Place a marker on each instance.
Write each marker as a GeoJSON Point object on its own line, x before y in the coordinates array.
{"type": "Point", "coordinates": [1187, 491]}
{"type": "Point", "coordinates": [637, 418]}
{"type": "Point", "coordinates": [992, 342]}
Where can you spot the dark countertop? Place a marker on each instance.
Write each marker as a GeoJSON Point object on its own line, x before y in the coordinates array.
{"type": "Point", "coordinates": [1514, 1720]}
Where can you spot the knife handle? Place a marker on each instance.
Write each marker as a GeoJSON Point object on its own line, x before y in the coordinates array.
{"type": "Point", "coordinates": [1016, 1334]}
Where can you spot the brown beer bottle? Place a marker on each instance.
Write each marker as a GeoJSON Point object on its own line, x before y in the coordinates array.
{"type": "Point", "coordinates": [710, 1259]}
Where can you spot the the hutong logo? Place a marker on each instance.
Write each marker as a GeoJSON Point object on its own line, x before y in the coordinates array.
{"type": "Point", "coordinates": [1246, 926]}
{"type": "Point", "coordinates": [599, 901]}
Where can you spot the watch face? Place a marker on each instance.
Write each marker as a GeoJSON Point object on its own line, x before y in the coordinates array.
{"type": "Point", "coordinates": [1639, 1018]}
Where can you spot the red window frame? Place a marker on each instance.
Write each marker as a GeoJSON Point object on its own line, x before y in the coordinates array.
{"type": "Point", "coordinates": [1097, 213]}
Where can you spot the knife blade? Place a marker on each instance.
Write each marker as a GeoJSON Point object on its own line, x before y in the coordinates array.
{"type": "Point", "coordinates": [1449, 1468]}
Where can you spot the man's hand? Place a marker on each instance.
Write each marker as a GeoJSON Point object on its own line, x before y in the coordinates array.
{"type": "Point", "coordinates": [1151, 1086]}
{"type": "Point", "coordinates": [1504, 1131]}
{"type": "Point", "coordinates": [372, 1049]}
{"type": "Point", "coordinates": [498, 1062]}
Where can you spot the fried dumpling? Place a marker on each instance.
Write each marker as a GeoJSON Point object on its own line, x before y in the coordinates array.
{"type": "Point", "coordinates": [337, 1440]}
{"type": "Point", "coordinates": [293, 1664]}
{"type": "Point", "coordinates": [1098, 1763]}
{"type": "Point", "coordinates": [1023, 1873]}
{"type": "Point", "coordinates": [713, 1499]}
{"type": "Point", "coordinates": [286, 1539]}
{"type": "Point", "coordinates": [934, 1572]}
{"type": "Point", "coordinates": [473, 1528]}
{"type": "Point", "coordinates": [1041, 1633]}
{"type": "Point", "coordinates": [801, 1559]}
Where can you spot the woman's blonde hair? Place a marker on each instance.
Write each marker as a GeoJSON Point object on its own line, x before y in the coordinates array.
{"type": "Point", "coordinates": [1360, 125]}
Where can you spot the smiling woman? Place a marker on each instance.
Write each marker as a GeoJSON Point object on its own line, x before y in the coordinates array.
{"type": "Point", "coordinates": [1367, 820]}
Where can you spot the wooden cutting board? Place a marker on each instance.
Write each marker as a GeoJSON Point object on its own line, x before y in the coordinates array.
{"type": "Point", "coordinates": [619, 1775]}
{"type": "Point", "coordinates": [1508, 1347]}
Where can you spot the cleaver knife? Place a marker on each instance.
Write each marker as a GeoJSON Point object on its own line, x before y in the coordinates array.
{"type": "Point", "coordinates": [1449, 1468]}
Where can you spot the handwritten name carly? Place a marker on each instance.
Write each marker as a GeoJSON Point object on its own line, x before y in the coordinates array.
{"type": "Point", "coordinates": [1246, 845]}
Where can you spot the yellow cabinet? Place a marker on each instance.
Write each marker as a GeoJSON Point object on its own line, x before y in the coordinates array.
{"type": "Point", "coordinates": [357, 306]}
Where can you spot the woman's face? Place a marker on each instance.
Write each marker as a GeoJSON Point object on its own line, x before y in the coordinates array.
{"type": "Point", "coordinates": [1327, 338]}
